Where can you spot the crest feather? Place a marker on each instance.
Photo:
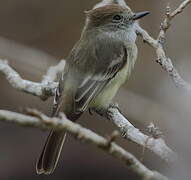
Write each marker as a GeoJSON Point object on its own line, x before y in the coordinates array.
{"type": "Point", "coordinates": [106, 10]}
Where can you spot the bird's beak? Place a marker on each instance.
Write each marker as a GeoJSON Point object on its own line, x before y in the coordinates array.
{"type": "Point", "coordinates": [140, 15]}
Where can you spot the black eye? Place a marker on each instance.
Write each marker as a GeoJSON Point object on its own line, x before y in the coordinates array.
{"type": "Point", "coordinates": [117, 18]}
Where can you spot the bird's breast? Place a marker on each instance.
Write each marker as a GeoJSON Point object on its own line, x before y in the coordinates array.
{"type": "Point", "coordinates": [107, 94]}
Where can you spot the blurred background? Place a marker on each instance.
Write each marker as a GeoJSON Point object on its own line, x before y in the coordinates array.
{"type": "Point", "coordinates": [37, 34]}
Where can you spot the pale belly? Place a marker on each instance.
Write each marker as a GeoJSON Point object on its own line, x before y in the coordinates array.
{"type": "Point", "coordinates": [105, 97]}
{"type": "Point", "coordinates": [108, 93]}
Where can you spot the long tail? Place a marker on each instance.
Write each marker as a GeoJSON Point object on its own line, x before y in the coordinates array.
{"type": "Point", "coordinates": [51, 152]}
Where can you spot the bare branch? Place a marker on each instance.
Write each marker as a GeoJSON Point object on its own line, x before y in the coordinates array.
{"type": "Point", "coordinates": [164, 61]}
{"type": "Point", "coordinates": [43, 90]}
{"type": "Point", "coordinates": [157, 146]}
{"type": "Point", "coordinates": [165, 25]}
{"type": "Point", "coordinates": [46, 89]}
{"type": "Point", "coordinates": [41, 121]}
{"type": "Point", "coordinates": [53, 71]}
{"type": "Point", "coordinates": [182, 6]}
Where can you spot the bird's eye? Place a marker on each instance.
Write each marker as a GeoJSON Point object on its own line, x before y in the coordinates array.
{"type": "Point", "coordinates": [117, 18]}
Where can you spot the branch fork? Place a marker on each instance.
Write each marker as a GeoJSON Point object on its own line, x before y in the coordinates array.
{"type": "Point", "coordinates": [46, 88]}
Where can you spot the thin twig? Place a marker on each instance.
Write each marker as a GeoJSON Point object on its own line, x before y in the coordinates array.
{"type": "Point", "coordinates": [164, 61]}
{"type": "Point", "coordinates": [182, 6]}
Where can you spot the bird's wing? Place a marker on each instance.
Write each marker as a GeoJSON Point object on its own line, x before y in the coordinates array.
{"type": "Point", "coordinates": [89, 69]}
{"type": "Point", "coordinates": [96, 67]}
{"type": "Point", "coordinates": [58, 97]}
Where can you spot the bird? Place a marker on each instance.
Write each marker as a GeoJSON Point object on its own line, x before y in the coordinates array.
{"type": "Point", "coordinates": [99, 63]}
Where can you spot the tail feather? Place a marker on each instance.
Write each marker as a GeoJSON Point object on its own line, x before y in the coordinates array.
{"type": "Point", "coordinates": [51, 152]}
{"type": "Point", "coordinates": [54, 143]}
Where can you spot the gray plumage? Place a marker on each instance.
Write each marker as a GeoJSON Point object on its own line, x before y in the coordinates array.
{"type": "Point", "coordinates": [97, 66]}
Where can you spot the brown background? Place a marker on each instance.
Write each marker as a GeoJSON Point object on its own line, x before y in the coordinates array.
{"type": "Point", "coordinates": [36, 34]}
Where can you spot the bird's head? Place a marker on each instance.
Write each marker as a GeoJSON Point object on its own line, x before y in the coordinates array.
{"type": "Point", "coordinates": [112, 17]}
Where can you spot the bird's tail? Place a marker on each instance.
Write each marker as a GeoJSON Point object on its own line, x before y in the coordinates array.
{"type": "Point", "coordinates": [51, 152]}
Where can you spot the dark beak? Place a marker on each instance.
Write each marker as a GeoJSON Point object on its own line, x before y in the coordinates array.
{"type": "Point", "coordinates": [140, 15]}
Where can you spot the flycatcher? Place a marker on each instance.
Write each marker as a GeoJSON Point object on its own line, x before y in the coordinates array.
{"type": "Point", "coordinates": [97, 66]}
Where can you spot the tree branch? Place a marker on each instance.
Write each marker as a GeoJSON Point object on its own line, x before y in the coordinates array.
{"type": "Point", "coordinates": [41, 121]}
{"type": "Point", "coordinates": [164, 61]}
{"type": "Point", "coordinates": [53, 72]}
{"type": "Point", "coordinates": [44, 89]}
{"type": "Point", "coordinates": [128, 131]}
{"type": "Point", "coordinates": [181, 7]}
{"type": "Point", "coordinates": [47, 86]}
